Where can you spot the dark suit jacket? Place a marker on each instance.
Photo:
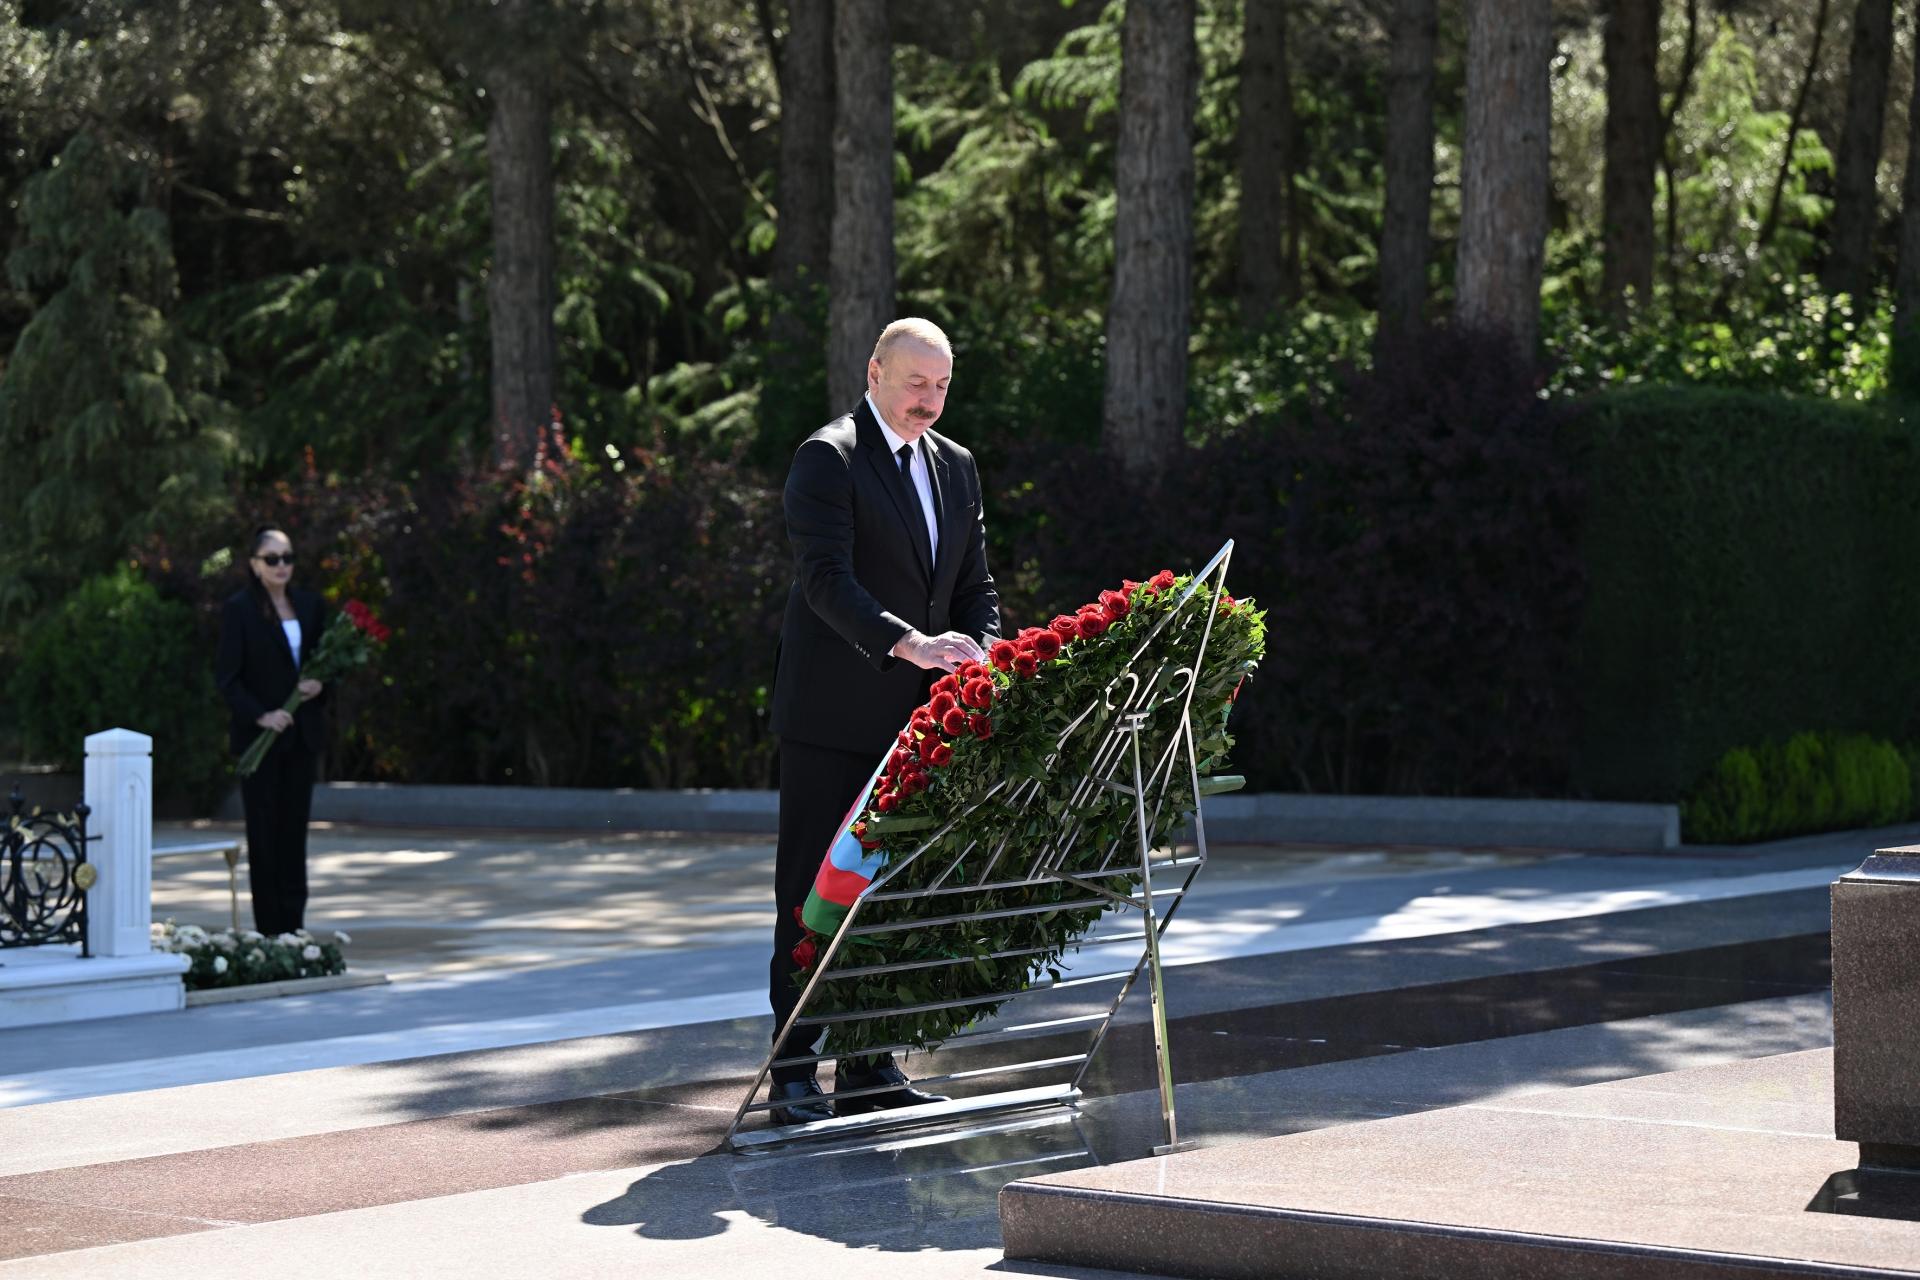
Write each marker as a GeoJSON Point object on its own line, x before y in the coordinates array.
{"type": "Point", "coordinates": [862, 578]}
{"type": "Point", "coordinates": [254, 667]}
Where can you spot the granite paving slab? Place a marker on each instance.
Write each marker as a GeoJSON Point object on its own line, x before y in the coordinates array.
{"type": "Point", "coordinates": [1712, 1171]}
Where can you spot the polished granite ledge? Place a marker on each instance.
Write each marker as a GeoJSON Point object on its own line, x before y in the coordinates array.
{"type": "Point", "coordinates": [1126, 1232]}
{"type": "Point", "coordinates": [1719, 1171]}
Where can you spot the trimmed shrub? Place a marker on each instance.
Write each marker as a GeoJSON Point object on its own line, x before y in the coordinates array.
{"type": "Point", "coordinates": [1800, 786]}
{"type": "Point", "coordinates": [1812, 782]}
{"type": "Point", "coordinates": [1751, 570]}
{"type": "Point", "coordinates": [1911, 755]}
{"type": "Point", "coordinates": [114, 654]}
{"type": "Point", "coordinates": [1871, 782]}
{"type": "Point", "coordinates": [590, 622]}
{"type": "Point", "coordinates": [1730, 804]}
{"type": "Point", "coordinates": [1414, 546]}
{"type": "Point", "coordinates": [1444, 617]}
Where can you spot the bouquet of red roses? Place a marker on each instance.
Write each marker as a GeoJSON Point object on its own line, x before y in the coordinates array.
{"type": "Point", "coordinates": [347, 643]}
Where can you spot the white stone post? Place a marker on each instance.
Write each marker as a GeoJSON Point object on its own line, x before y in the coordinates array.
{"type": "Point", "coordinates": [119, 791]}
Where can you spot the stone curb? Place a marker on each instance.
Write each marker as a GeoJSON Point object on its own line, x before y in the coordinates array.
{"type": "Point", "coordinates": [285, 987]}
{"type": "Point", "coordinates": [1264, 818]}
{"type": "Point", "coordinates": [1569, 824]}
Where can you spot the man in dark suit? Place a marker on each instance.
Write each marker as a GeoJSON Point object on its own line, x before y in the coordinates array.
{"type": "Point", "coordinates": [890, 588]}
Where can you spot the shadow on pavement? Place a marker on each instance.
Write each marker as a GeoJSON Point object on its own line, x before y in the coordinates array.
{"type": "Point", "coordinates": [905, 1193]}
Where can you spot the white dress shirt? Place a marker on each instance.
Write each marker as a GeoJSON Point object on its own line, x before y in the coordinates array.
{"type": "Point", "coordinates": [922, 483]}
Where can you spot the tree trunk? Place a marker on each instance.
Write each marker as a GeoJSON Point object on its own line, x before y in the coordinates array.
{"type": "Point", "coordinates": [1144, 416]}
{"type": "Point", "coordinates": [1269, 238]}
{"type": "Point", "coordinates": [803, 248]}
{"type": "Point", "coordinates": [1406, 238]}
{"type": "Point", "coordinates": [1906, 285]}
{"type": "Point", "coordinates": [1633, 144]}
{"type": "Point", "coordinates": [1504, 171]}
{"type": "Point", "coordinates": [1689, 60]}
{"type": "Point", "coordinates": [520, 288]}
{"type": "Point", "coordinates": [1856, 194]}
{"type": "Point", "coordinates": [861, 271]}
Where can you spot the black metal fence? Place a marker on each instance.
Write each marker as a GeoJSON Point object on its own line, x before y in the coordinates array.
{"type": "Point", "coordinates": [44, 876]}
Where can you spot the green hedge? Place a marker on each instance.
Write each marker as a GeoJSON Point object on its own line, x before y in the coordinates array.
{"type": "Point", "coordinates": [1754, 567]}
{"type": "Point", "coordinates": [1811, 782]}
{"type": "Point", "coordinates": [115, 655]}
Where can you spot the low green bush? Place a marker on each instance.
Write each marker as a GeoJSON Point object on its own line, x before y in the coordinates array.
{"type": "Point", "coordinates": [115, 655]}
{"type": "Point", "coordinates": [1911, 754]}
{"type": "Point", "coordinates": [1729, 804]}
{"type": "Point", "coordinates": [1811, 782]}
{"type": "Point", "coordinates": [1873, 777]}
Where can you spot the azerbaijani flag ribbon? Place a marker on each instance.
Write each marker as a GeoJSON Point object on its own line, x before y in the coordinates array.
{"type": "Point", "coordinates": [847, 869]}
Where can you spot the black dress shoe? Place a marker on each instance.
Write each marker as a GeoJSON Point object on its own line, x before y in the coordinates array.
{"type": "Point", "coordinates": [804, 1103]}
{"type": "Point", "coordinates": [847, 1078]}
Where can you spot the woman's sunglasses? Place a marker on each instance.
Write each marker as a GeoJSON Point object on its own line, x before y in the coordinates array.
{"type": "Point", "coordinates": [273, 559]}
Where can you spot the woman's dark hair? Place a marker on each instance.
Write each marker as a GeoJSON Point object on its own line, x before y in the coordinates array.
{"type": "Point", "coordinates": [255, 587]}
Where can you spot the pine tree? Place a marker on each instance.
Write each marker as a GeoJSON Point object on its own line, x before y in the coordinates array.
{"type": "Point", "coordinates": [108, 416]}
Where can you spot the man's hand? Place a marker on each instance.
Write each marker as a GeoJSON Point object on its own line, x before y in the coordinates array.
{"type": "Point", "coordinates": [309, 690]}
{"type": "Point", "coordinates": [276, 719]}
{"type": "Point", "coordinates": [943, 652]}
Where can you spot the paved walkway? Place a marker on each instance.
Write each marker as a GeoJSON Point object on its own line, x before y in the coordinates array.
{"type": "Point", "coordinates": [573, 1019]}
{"type": "Point", "coordinates": [444, 901]}
{"type": "Point", "coordinates": [496, 940]}
{"type": "Point", "coordinates": [615, 1186]}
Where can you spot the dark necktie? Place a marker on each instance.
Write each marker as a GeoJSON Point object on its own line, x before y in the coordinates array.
{"type": "Point", "coordinates": [905, 454]}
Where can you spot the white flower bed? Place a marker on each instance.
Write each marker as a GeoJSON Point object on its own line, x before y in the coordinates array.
{"type": "Point", "coordinates": [242, 957]}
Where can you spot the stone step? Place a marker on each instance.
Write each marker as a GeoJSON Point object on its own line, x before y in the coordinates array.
{"type": "Point", "coordinates": [1694, 1174]}
{"type": "Point", "coordinates": [40, 985]}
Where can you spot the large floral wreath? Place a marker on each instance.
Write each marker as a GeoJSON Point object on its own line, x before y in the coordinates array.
{"type": "Point", "coordinates": [989, 763]}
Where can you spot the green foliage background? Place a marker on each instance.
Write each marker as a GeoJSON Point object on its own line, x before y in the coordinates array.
{"type": "Point", "coordinates": [115, 655]}
{"type": "Point", "coordinates": [248, 249]}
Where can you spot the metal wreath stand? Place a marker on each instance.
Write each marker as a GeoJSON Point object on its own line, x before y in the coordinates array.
{"type": "Point", "coordinates": [1141, 744]}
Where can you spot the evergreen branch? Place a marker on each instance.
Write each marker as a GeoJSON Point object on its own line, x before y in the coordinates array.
{"type": "Point", "coordinates": [226, 207]}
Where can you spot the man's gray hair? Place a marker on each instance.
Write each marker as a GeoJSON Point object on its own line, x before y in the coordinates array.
{"type": "Point", "coordinates": [923, 331]}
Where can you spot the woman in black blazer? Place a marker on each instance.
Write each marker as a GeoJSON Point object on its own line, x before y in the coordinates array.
{"type": "Point", "coordinates": [265, 632]}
